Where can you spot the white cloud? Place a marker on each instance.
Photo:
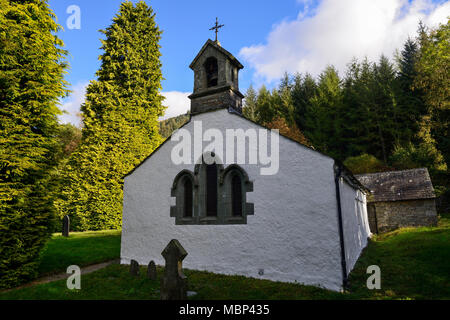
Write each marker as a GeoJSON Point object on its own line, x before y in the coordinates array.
{"type": "Point", "coordinates": [177, 103]}
{"type": "Point", "coordinates": [71, 107]}
{"type": "Point", "coordinates": [336, 31]}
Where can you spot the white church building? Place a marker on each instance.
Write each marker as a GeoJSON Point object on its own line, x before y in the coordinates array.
{"type": "Point", "coordinates": [241, 199]}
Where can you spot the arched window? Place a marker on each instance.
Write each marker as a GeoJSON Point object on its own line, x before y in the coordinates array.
{"type": "Point", "coordinates": [188, 195]}
{"type": "Point", "coordinates": [211, 194]}
{"type": "Point", "coordinates": [211, 72]}
{"type": "Point", "coordinates": [236, 195]}
{"type": "Point", "coordinates": [211, 190]}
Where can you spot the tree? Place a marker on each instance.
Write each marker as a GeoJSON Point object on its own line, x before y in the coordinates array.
{"type": "Point", "coordinates": [371, 121]}
{"type": "Point", "coordinates": [265, 111]}
{"type": "Point", "coordinates": [32, 65]}
{"type": "Point", "coordinates": [168, 126]}
{"type": "Point", "coordinates": [120, 120]}
{"type": "Point", "coordinates": [249, 109]}
{"type": "Point", "coordinates": [303, 89]}
{"type": "Point", "coordinates": [433, 78]}
{"type": "Point", "coordinates": [290, 131]}
{"type": "Point", "coordinates": [322, 119]}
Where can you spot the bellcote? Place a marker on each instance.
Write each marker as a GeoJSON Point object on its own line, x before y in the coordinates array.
{"type": "Point", "coordinates": [216, 83]}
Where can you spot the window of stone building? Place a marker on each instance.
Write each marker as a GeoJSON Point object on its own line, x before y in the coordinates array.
{"type": "Point", "coordinates": [211, 194]}
{"type": "Point", "coordinates": [211, 69]}
{"type": "Point", "coordinates": [236, 195]}
{"type": "Point", "coordinates": [211, 190]}
{"type": "Point", "coordinates": [188, 195]}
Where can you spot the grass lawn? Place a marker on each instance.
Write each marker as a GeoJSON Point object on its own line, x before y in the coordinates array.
{"type": "Point", "coordinates": [414, 262]}
{"type": "Point", "coordinates": [80, 248]}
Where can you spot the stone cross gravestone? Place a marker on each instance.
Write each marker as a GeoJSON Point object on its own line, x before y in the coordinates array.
{"type": "Point", "coordinates": [134, 268]}
{"type": "Point", "coordinates": [151, 270]}
{"type": "Point", "coordinates": [66, 226]}
{"type": "Point", "coordinates": [174, 282]}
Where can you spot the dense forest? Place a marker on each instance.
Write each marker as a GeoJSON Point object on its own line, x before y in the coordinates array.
{"type": "Point", "coordinates": [380, 115]}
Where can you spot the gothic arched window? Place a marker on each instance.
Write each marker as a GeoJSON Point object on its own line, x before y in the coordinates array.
{"type": "Point", "coordinates": [188, 196]}
{"type": "Point", "coordinates": [211, 190]}
{"type": "Point", "coordinates": [236, 195]}
{"type": "Point", "coordinates": [211, 194]}
{"type": "Point", "coordinates": [183, 189]}
{"type": "Point", "coordinates": [211, 69]}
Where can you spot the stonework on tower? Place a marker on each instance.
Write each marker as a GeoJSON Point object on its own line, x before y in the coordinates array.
{"type": "Point", "coordinates": [216, 82]}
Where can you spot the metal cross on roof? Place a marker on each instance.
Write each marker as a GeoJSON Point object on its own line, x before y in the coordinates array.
{"type": "Point", "coordinates": [216, 27]}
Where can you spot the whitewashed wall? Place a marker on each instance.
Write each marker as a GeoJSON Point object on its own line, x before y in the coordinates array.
{"type": "Point", "coordinates": [355, 222]}
{"type": "Point", "coordinates": [293, 234]}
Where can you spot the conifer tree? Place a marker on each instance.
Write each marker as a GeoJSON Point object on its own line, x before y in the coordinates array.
{"type": "Point", "coordinates": [411, 107]}
{"type": "Point", "coordinates": [303, 89]}
{"type": "Point", "coordinates": [249, 109]}
{"type": "Point", "coordinates": [264, 112]}
{"type": "Point", "coordinates": [32, 66]}
{"type": "Point", "coordinates": [322, 119]}
{"type": "Point", "coordinates": [120, 120]}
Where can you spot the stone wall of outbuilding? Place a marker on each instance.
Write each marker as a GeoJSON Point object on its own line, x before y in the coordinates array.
{"type": "Point", "coordinates": [399, 214]}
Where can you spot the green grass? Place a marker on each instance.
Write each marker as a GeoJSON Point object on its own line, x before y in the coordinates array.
{"type": "Point", "coordinates": [414, 262]}
{"type": "Point", "coordinates": [80, 248]}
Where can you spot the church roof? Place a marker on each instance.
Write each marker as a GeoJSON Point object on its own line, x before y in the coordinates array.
{"type": "Point", "coordinates": [398, 185]}
{"type": "Point", "coordinates": [209, 42]}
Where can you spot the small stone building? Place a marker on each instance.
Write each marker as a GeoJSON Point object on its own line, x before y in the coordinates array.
{"type": "Point", "coordinates": [399, 199]}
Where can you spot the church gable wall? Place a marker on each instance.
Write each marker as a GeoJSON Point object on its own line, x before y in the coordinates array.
{"type": "Point", "coordinates": [292, 235]}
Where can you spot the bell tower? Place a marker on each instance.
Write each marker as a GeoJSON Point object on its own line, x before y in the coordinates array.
{"type": "Point", "coordinates": [216, 82]}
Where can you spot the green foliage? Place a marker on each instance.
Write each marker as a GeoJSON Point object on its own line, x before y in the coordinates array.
{"type": "Point", "coordinates": [120, 120]}
{"type": "Point", "coordinates": [365, 163]}
{"type": "Point", "coordinates": [249, 108]}
{"type": "Point", "coordinates": [322, 118]}
{"type": "Point", "coordinates": [303, 90]}
{"type": "Point", "coordinates": [410, 156]}
{"type": "Point", "coordinates": [398, 113]}
{"type": "Point", "coordinates": [433, 78]}
{"type": "Point", "coordinates": [32, 66]}
{"type": "Point", "coordinates": [166, 127]}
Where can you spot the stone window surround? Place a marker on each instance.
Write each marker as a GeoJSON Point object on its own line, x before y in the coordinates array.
{"type": "Point", "coordinates": [224, 207]}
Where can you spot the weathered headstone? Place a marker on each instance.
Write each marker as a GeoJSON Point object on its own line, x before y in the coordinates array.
{"type": "Point", "coordinates": [66, 226]}
{"type": "Point", "coordinates": [134, 268]}
{"type": "Point", "coordinates": [151, 270]}
{"type": "Point", "coordinates": [174, 282]}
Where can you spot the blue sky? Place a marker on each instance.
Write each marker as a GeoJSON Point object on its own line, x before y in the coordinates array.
{"type": "Point", "coordinates": [268, 37]}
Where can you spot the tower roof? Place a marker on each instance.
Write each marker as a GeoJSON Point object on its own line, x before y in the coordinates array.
{"type": "Point", "coordinates": [216, 46]}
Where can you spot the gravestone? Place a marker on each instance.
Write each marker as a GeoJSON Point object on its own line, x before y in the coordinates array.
{"type": "Point", "coordinates": [66, 226]}
{"type": "Point", "coordinates": [174, 282]}
{"type": "Point", "coordinates": [151, 270]}
{"type": "Point", "coordinates": [134, 268]}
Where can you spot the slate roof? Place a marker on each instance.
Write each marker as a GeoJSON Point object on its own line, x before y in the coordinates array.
{"type": "Point", "coordinates": [410, 184]}
{"type": "Point", "coordinates": [209, 42]}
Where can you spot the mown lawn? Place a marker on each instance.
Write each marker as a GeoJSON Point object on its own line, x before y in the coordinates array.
{"type": "Point", "coordinates": [414, 262]}
{"type": "Point", "coordinates": [80, 248]}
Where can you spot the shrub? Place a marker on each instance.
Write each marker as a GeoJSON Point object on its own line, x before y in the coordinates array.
{"type": "Point", "coordinates": [410, 156]}
{"type": "Point", "coordinates": [365, 163]}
